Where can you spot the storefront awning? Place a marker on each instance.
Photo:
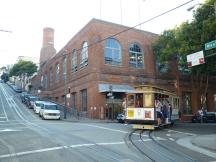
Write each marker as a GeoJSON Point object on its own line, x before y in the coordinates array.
{"type": "Point", "coordinates": [115, 88]}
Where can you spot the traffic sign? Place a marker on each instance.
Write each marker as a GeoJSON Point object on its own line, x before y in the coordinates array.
{"type": "Point", "coordinates": [210, 45]}
{"type": "Point", "coordinates": [195, 59]}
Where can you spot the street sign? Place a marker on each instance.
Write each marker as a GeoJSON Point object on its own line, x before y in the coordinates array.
{"type": "Point", "coordinates": [210, 45]}
{"type": "Point", "coordinates": [195, 59]}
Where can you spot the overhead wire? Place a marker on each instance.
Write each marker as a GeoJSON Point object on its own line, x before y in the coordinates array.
{"type": "Point", "coordinates": [130, 28]}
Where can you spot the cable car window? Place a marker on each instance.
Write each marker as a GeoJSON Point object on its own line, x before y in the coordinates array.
{"type": "Point", "coordinates": [139, 100]}
{"type": "Point", "coordinates": [131, 100]}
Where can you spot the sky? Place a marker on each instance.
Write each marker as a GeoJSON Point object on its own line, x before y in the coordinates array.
{"type": "Point", "coordinates": [27, 18]}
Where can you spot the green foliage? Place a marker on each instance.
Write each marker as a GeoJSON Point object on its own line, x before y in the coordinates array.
{"type": "Point", "coordinates": [5, 77]}
{"type": "Point", "coordinates": [23, 67]}
{"type": "Point", "coordinates": [188, 38]}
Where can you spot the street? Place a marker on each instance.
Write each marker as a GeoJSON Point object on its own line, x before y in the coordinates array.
{"type": "Point", "coordinates": [25, 137]}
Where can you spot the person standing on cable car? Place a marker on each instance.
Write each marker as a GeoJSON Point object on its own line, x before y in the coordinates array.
{"type": "Point", "coordinates": [165, 112]}
{"type": "Point", "coordinates": [170, 111]}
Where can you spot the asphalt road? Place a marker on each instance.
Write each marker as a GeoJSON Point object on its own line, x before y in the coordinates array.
{"type": "Point", "coordinates": [24, 137]}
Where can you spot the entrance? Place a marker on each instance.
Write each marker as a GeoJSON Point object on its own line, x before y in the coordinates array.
{"type": "Point", "coordinates": [113, 109]}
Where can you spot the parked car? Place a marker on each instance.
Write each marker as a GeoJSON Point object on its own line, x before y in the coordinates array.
{"type": "Point", "coordinates": [208, 117]}
{"type": "Point", "coordinates": [30, 101]}
{"type": "Point", "coordinates": [49, 111]}
{"type": "Point", "coordinates": [120, 118]}
{"type": "Point", "coordinates": [37, 106]}
{"type": "Point", "coordinates": [24, 98]}
{"type": "Point", "coordinates": [22, 95]}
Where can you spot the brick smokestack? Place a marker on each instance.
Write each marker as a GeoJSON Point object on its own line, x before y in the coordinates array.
{"type": "Point", "coordinates": [47, 50]}
{"type": "Point", "coordinates": [48, 37]}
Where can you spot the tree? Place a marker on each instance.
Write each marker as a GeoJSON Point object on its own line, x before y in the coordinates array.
{"type": "Point", "coordinates": [188, 38]}
{"type": "Point", "coordinates": [4, 77]}
{"type": "Point", "coordinates": [23, 67]}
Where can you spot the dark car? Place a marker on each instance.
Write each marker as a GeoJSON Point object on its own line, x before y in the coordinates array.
{"type": "Point", "coordinates": [208, 117]}
{"type": "Point", "coordinates": [120, 118]}
{"type": "Point", "coordinates": [24, 98]}
{"type": "Point", "coordinates": [30, 101]}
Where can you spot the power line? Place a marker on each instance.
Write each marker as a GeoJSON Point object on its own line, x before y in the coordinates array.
{"type": "Point", "coordinates": [130, 28]}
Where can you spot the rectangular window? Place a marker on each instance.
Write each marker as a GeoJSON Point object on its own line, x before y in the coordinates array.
{"type": "Point", "coordinates": [74, 100]}
{"type": "Point", "coordinates": [74, 62]}
{"type": "Point", "coordinates": [45, 82]}
{"type": "Point", "coordinates": [186, 98]}
{"type": "Point", "coordinates": [83, 99]}
{"type": "Point", "coordinates": [51, 76]}
{"type": "Point", "coordinates": [57, 72]}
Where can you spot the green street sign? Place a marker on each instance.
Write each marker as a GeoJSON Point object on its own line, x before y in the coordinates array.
{"type": "Point", "coordinates": [210, 45]}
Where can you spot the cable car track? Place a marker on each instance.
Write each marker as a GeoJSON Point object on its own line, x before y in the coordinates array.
{"type": "Point", "coordinates": [137, 147]}
{"type": "Point", "coordinates": [154, 150]}
{"type": "Point", "coordinates": [174, 151]}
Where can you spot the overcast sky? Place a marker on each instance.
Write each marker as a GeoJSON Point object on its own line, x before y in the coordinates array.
{"type": "Point", "coordinates": [27, 18]}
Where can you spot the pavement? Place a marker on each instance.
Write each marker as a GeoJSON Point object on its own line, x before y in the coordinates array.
{"type": "Point", "coordinates": [205, 141]}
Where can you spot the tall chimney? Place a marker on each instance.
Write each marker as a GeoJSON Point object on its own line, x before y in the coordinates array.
{"type": "Point", "coordinates": [47, 50]}
{"type": "Point", "coordinates": [48, 37]}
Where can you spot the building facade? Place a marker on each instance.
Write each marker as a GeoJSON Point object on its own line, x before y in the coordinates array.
{"type": "Point", "coordinates": [97, 61]}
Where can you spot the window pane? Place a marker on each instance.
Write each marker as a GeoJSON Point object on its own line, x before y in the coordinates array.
{"type": "Point", "coordinates": [84, 55]}
{"type": "Point", "coordinates": [112, 52]}
{"type": "Point", "coordinates": [135, 56]}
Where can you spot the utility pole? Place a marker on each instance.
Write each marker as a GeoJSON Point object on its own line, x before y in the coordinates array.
{"type": "Point", "coordinates": [65, 86]}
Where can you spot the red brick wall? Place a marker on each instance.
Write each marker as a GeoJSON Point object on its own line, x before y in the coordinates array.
{"type": "Point", "coordinates": [98, 72]}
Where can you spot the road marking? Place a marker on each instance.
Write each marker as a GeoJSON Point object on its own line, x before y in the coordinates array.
{"type": "Point", "coordinates": [171, 139]}
{"type": "Point", "coordinates": [113, 130]}
{"type": "Point", "coordinates": [3, 106]}
{"type": "Point", "coordinates": [57, 148]}
{"type": "Point", "coordinates": [190, 134]}
{"type": "Point", "coordinates": [168, 135]}
{"type": "Point", "coordinates": [9, 130]}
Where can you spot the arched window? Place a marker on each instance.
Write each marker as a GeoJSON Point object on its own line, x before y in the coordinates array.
{"type": "Point", "coordinates": [112, 52]}
{"type": "Point", "coordinates": [74, 61]}
{"type": "Point", "coordinates": [136, 57]}
{"type": "Point", "coordinates": [84, 55]}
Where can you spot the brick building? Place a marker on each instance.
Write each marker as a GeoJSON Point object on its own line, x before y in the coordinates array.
{"type": "Point", "coordinates": [96, 61]}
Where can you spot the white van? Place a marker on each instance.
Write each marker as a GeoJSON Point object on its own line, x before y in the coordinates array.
{"type": "Point", "coordinates": [49, 111]}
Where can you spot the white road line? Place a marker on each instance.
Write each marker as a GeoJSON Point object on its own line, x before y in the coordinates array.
{"type": "Point", "coordinates": [168, 135]}
{"type": "Point", "coordinates": [113, 130]}
{"type": "Point", "coordinates": [171, 139]}
{"type": "Point", "coordinates": [190, 134]}
{"type": "Point", "coordinates": [58, 148]}
{"type": "Point", "coordinates": [3, 106]}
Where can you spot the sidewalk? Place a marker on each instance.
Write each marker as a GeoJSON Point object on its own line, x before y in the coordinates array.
{"type": "Point", "coordinates": [87, 120]}
{"type": "Point", "coordinates": [205, 141]}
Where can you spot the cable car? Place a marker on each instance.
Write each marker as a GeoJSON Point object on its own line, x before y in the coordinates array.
{"type": "Point", "coordinates": [146, 103]}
